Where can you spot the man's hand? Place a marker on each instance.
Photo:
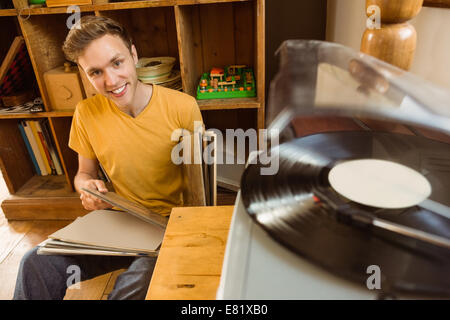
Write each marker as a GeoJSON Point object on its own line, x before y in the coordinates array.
{"type": "Point", "coordinates": [86, 178]}
{"type": "Point", "coordinates": [89, 201]}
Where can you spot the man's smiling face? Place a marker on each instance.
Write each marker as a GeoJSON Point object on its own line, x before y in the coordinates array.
{"type": "Point", "coordinates": [110, 67]}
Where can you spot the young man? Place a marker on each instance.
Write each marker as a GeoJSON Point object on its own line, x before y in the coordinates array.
{"type": "Point", "coordinates": [127, 127]}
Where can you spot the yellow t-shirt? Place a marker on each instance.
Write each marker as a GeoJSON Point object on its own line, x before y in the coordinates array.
{"type": "Point", "coordinates": [136, 152]}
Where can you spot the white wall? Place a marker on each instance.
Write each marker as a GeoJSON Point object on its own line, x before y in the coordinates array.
{"type": "Point", "coordinates": [346, 22]}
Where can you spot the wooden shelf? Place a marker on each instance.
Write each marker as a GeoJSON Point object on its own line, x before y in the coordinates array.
{"type": "Point", "coordinates": [192, 31]}
{"type": "Point", "coordinates": [120, 6]}
{"type": "Point", "coordinates": [212, 104]}
{"type": "Point", "coordinates": [23, 115]}
{"type": "Point", "coordinates": [8, 12]}
{"type": "Point", "coordinates": [46, 186]}
{"type": "Point", "coordinates": [51, 114]}
{"type": "Point", "coordinates": [43, 197]}
{"type": "Point", "coordinates": [66, 207]}
{"type": "Point", "coordinates": [227, 104]}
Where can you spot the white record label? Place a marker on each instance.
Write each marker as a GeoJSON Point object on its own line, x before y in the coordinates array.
{"type": "Point", "coordinates": [379, 183]}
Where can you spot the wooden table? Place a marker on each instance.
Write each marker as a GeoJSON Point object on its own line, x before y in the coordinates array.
{"type": "Point", "coordinates": [191, 256]}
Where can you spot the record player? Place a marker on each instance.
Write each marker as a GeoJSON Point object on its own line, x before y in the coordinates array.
{"type": "Point", "coordinates": [362, 190]}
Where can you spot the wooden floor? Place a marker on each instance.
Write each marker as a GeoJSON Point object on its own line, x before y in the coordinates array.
{"type": "Point", "coordinates": [17, 237]}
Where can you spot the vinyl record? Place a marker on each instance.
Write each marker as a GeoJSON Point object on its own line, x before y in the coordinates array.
{"type": "Point", "coordinates": [285, 205]}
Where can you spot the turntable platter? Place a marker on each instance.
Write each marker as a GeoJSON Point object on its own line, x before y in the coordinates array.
{"type": "Point", "coordinates": [285, 206]}
{"type": "Point", "coordinates": [379, 183]}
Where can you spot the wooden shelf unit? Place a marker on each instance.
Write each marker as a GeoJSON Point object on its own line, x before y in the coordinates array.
{"type": "Point", "coordinates": [8, 12]}
{"type": "Point", "coordinates": [201, 34]}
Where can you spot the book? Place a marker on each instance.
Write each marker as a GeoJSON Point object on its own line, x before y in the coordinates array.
{"type": "Point", "coordinates": [29, 149]}
{"type": "Point", "coordinates": [135, 231]}
{"type": "Point", "coordinates": [45, 147]}
{"type": "Point", "coordinates": [51, 146]}
{"type": "Point", "coordinates": [34, 147]}
{"type": "Point", "coordinates": [41, 151]}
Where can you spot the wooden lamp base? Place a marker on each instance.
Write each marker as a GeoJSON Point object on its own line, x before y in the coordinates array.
{"type": "Point", "coordinates": [394, 41]}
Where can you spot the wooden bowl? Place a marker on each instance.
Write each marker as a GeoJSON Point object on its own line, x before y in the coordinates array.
{"type": "Point", "coordinates": [157, 68]}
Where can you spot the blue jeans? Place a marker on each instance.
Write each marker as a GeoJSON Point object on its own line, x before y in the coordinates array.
{"type": "Point", "coordinates": [46, 277]}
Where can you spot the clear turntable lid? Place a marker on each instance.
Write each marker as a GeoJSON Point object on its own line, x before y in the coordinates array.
{"type": "Point", "coordinates": [317, 77]}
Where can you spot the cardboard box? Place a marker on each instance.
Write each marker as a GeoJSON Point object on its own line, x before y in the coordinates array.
{"type": "Point", "coordinates": [64, 87]}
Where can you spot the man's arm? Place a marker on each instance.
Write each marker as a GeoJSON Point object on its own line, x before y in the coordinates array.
{"type": "Point", "coordinates": [86, 177]}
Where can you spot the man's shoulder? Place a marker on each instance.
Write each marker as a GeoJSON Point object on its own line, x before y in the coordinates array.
{"type": "Point", "coordinates": [94, 100]}
{"type": "Point", "coordinates": [175, 95]}
{"type": "Point", "coordinates": [92, 105]}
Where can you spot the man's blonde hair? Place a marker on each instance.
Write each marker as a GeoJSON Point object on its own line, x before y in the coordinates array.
{"type": "Point", "coordinates": [88, 29]}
